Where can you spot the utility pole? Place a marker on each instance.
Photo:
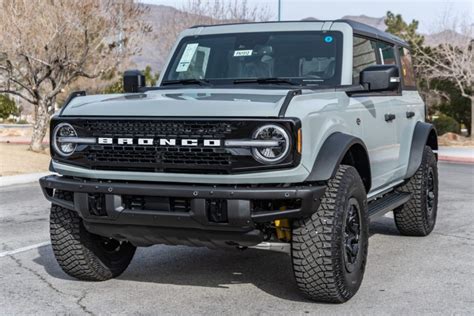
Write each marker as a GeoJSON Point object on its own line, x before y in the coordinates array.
{"type": "Point", "coordinates": [120, 35]}
{"type": "Point", "coordinates": [279, 10]}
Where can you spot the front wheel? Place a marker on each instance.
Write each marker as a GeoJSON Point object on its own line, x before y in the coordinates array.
{"type": "Point", "coordinates": [329, 249]}
{"type": "Point", "coordinates": [83, 255]}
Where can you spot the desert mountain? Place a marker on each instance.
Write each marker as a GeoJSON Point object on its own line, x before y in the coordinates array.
{"type": "Point", "coordinates": [156, 50]}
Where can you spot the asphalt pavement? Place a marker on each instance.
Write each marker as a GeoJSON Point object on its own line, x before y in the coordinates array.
{"type": "Point", "coordinates": [405, 275]}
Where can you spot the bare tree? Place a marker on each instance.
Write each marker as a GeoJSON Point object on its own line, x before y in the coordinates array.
{"type": "Point", "coordinates": [47, 45]}
{"type": "Point", "coordinates": [208, 12]}
{"type": "Point", "coordinates": [453, 59]}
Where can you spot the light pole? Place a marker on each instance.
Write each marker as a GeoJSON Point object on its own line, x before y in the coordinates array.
{"type": "Point", "coordinates": [279, 10]}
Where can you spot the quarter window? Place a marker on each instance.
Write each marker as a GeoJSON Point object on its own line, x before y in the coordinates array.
{"type": "Point", "coordinates": [408, 73]}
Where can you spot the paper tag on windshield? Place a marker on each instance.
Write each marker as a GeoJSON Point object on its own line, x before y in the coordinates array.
{"type": "Point", "coordinates": [243, 53]}
{"type": "Point", "coordinates": [188, 55]}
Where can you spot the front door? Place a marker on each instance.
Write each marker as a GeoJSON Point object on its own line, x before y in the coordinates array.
{"type": "Point", "coordinates": [380, 137]}
{"type": "Point", "coordinates": [379, 119]}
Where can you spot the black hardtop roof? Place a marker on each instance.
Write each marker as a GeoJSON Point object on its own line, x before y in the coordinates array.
{"type": "Point", "coordinates": [370, 31]}
{"type": "Point", "coordinates": [359, 29]}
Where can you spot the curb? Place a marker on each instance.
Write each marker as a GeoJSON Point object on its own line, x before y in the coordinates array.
{"type": "Point", "coordinates": [19, 142]}
{"type": "Point", "coordinates": [21, 178]}
{"type": "Point", "coordinates": [453, 159]}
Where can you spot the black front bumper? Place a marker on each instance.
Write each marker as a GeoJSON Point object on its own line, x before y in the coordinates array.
{"type": "Point", "coordinates": [105, 209]}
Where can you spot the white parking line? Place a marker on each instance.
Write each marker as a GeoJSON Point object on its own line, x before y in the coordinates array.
{"type": "Point", "coordinates": [23, 249]}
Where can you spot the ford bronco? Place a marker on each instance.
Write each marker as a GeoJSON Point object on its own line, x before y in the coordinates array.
{"type": "Point", "coordinates": [285, 136]}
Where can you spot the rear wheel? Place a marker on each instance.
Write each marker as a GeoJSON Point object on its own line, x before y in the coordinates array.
{"type": "Point", "coordinates": [418, 216]}
{"type": "Point", "coordinates": [81, 254]}
{"type": "Point", "coordinates": [329, 249]}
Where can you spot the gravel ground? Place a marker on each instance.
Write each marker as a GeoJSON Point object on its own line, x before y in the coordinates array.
{"type": "Point", "coordinates": [405, 275]}
{"type": "Point", "coordinates": [17, 159]}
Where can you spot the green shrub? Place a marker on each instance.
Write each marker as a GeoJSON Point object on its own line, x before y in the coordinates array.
{"type": "Point", "coordinates": [446, 124]}
{"type": "Point", "coordinates": [7, 107]}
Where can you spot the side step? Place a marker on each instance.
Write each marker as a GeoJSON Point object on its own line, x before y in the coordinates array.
{"type": "Point", "coordinates": [387, 203]}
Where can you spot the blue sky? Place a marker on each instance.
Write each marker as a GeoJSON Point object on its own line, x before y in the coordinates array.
{"type": "Point", "coordinates": [425, 11]}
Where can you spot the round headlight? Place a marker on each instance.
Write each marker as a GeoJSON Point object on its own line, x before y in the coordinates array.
{"type": "Point", "coordinates": [272, 154]}
{"type": "Point", "coordinates": [60, 136]}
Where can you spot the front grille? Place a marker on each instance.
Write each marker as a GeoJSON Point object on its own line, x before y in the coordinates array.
{"type": "Point", "coordinates": [158, 158]}
{"type": "Point", "coordinates": [159, 128]}
{"type": "Point", "coordinates": [164, 157]}
{"type": "Point", "coordinates": [156, 155]}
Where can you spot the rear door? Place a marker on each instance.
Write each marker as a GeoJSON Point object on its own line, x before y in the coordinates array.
{"type": "Point", "coordinates": [411, 110]}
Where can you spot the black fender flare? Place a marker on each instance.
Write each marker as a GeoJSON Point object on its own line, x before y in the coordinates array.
{"type": "Point", "coordinates": [423, 134]}
{"type": "Point", "coordinates": [331, 154]}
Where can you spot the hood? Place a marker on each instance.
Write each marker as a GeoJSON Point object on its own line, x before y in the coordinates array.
{"type": "Point", "coordinates": [181, 102]}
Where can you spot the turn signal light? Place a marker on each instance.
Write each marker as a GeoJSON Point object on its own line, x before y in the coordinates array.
{"type": "Point", "coordinates": [299, 143]}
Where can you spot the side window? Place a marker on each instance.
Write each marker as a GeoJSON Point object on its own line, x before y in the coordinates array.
{"type": "Point", "coordinates": [408, 74]}
{"type": "Point", "coordinates": [368, 52]}
{"type": "Point", "coordinates": [386, 54]}
{"type": "Point", "coordinates": [363, 55]}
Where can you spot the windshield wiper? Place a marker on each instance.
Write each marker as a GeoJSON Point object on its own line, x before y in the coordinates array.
{"type": "Point", "coordinates": [270, 80]}
{"type": "Point", "coordinates": [200, 82]}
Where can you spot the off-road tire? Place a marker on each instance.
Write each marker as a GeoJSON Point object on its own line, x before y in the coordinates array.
{"type": "Point", "coordinates": [81, 254]}
{"type": "Point", "coordinates": [318, 242]}
{"type": "Point", "coordinates": [417, 217]}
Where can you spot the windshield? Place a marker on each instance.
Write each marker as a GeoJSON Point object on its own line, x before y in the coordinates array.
{"type": "Point", "coordinates": [278, 58]}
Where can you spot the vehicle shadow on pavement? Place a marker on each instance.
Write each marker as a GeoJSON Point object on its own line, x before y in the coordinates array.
{"type": "Point", "coordinates": [383, 226]}
{"type": "Point", "coordinates": [201, 267]}
{"type": "Point", "coordinates": [271, 272]}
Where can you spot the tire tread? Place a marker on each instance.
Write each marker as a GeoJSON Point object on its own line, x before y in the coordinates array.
{"type": "Point", "coordinates": [410, 218]}
{"type": "Point", "coordinates": [316, 263]}
{"type": "Point", "coordinates": [72, 246]}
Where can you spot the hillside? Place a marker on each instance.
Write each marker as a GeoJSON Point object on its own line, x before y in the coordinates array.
{"type": "Point", "coordinates": [156, 50]}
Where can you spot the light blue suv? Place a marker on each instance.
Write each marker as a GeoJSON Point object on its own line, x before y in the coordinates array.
{"type": "Point", "coordinates": [283, 136]}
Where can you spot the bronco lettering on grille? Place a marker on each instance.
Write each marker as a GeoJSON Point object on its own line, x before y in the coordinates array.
{"type": "Point", "coordinates": [160, 141]}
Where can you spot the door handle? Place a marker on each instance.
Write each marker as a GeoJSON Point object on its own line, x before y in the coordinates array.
{"type": "Point", "coordinates": [410, 114]}
{"type": "Point", "coordinates": [389, 117]}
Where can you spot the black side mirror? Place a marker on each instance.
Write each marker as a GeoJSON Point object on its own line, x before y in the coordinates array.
{"type": "Point", "coordinates": [379, 78]}
{"type": "Point", "coordinates": [133, 81]}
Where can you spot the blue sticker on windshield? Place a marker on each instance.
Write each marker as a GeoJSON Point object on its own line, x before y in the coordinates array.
{"type": "Point", "coordinates": [328, 39]}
